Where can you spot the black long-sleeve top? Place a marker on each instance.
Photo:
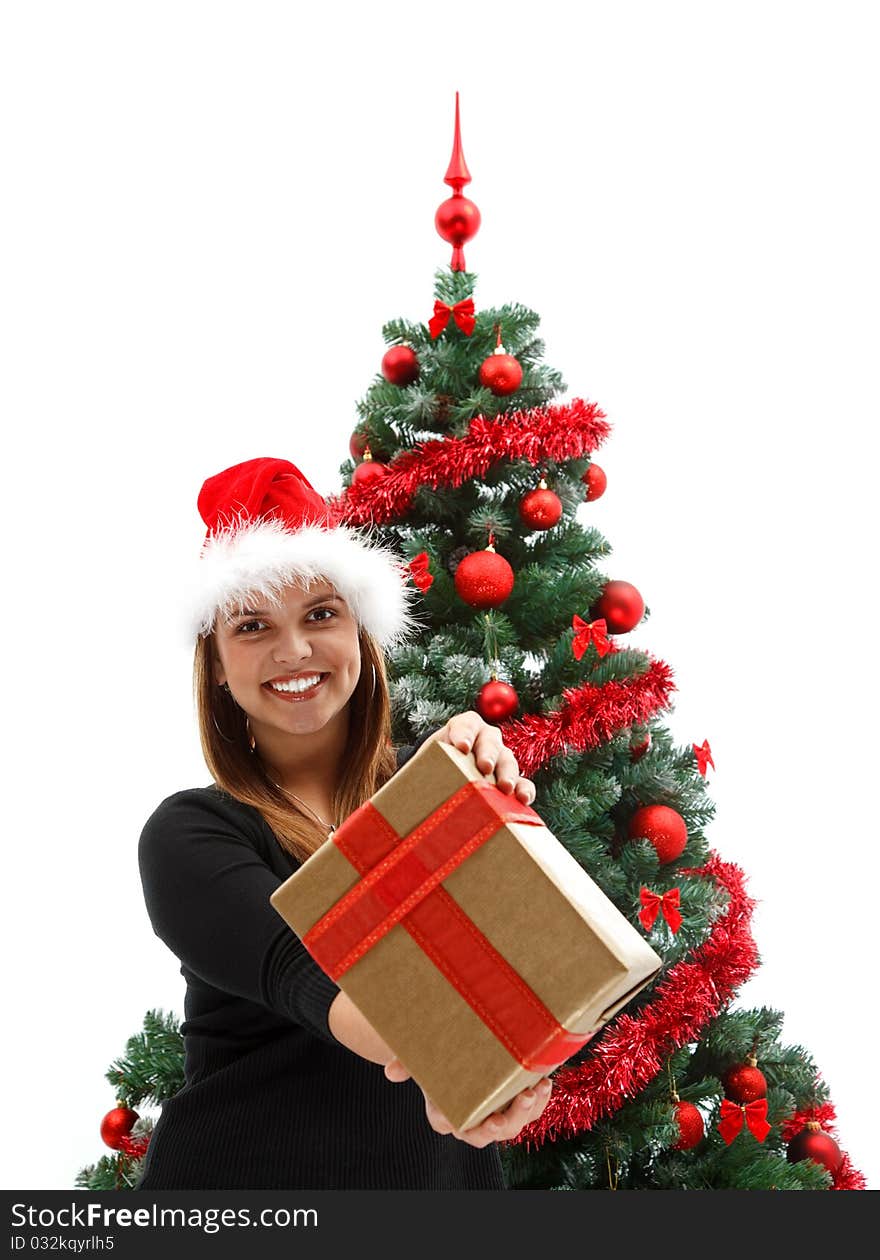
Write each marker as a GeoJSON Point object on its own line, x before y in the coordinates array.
{"type": "Point", "coordinates": [271, 1100]}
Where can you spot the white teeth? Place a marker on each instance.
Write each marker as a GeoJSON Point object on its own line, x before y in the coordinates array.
{"type": "Point", "coordinates": [296, 684]}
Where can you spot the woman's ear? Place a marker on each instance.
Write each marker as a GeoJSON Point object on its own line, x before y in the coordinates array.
{"type": "Point", "coordinates": [219, 672]}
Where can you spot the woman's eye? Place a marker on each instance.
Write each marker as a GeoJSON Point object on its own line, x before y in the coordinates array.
{"type": "Point", "coordinates": [329, 610]}
{"type": "Point", "coordinates": [243, 628]}
{"type": "Point", "coordinates": [244, 625]}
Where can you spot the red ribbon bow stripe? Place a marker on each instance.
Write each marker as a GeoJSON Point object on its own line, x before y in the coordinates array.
{"type": "Point", "coordinates": [703, 754]}
{"type": "Point", "coordinates": [653, 904]}
{"type": "Point", "coordinates": [462, 313]}
{"type": "Point", "coordinates": [753, 1114]}
{"type": "Point", "coordinates": [587, 632]}
{"type": "Point", "coordinates": [420, 571]}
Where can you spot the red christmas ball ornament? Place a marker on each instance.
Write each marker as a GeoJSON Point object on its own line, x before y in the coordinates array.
{"type": "Point", "coordinates": [621, 605]}
{"type": "Point", "coordinates": [663, 826]}
{"type": "Point", "coordinates": [118, 1124]}
{"type": "Point", "coordinates": [501, 372]}
{"type": "Point", "coordinates": [400, 365]}
{"type": "Point", "coordinates": [484, 579]}
{"type": "Point", "coordinates": [596, 481]}
{"type": "Point", "coordinates": [745, 1082]}
{"type": "Point", "coordinates": [497, 701]}
{"type": "Point", "coordinates": [458, 221]}
{"type": "Point", "coordinates": [358, 444]}
{"type": "Point", "coordinates": [540, 508]}
{"type": "Point", "coordinates": [639, 746]}
{"type": "Point", "coordinates": [813, 1143]}
{"type": "Point", "coordinates": [690, 1125]}
{"type": "Point", "coordinates": [371, 470]}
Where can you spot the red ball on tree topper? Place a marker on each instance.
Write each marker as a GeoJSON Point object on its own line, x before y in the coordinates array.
{"type": "Point", "coordinates": [621, 605]}
{"type": "Point", "coordinates": [745, 1082]}
{"type": "Point", "coordinates": [118, 1124]}
{"type": "Point", "coordinates": [484, 579]}
{"type": "Point", "coordinates": [540, 508]}
{"type": "Point", "coordinates": [457, 219]}
{"type": "Point", "coordinates": [596, 481]}
{"type": "Point", "coordinates": [663, 826]}
{"type": "Point", "coordinates": [812, 1143]}
{"type": "Point", "coordinates": [400, 365]}
{"type": "Point", "coordinates": [690, 1126]}
{"type": "Point", "coordinates": [497, 701]}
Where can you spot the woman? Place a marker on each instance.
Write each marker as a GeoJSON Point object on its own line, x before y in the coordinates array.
{"type": "Point", "coordinates": [287, 1086]}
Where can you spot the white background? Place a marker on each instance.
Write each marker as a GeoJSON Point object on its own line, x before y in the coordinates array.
{"type": "Point", "coordinates": [209, 210]}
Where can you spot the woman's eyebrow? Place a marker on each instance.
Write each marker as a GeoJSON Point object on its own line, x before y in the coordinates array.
{"type": "Point", "coordinates": [316, 599]}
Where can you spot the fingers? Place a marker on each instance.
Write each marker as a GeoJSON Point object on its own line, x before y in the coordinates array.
{"type": "Point", "coordinates": [395, 1071]}
{"type": "Point", "coordinates": [524, 1109]}
{"type": "Point", "coordinates": [470, 733]}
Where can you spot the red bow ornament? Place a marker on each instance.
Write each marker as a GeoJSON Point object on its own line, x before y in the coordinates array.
{"type": "Point", "coordinates": [754, 1114]}
{"type": "Point", "coordinates": [420, 572]}
{"type": "Point", "coordinates": [703, 754]}
{"type": "Point", "coordinates": [587, 632]}
{"type": "Point", "coordinates": [653, 903]}
{"type": "Point", "coordinates": [462, 313]}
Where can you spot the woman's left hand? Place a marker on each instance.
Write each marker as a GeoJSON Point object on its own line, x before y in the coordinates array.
{"type": "Point", "coordinates": [470, 733]}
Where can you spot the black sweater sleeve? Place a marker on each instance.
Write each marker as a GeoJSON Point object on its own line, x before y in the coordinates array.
{"type": "Point", "coordinates": [207, 893]}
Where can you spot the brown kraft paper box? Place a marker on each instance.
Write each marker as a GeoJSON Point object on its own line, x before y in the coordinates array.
{"type": "Point", "coordinates": [525, 893]}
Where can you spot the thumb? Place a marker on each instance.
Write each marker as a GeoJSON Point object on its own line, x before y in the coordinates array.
{"type": "Point", "coordinates": [395, 1071]}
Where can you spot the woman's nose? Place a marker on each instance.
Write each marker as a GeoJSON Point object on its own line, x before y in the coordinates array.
{"type": "Point", "coordinates": [293, 646]}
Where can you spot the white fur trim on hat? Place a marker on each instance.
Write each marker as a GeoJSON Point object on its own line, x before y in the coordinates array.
{"type": "Point", "coordinates": [252, 559]}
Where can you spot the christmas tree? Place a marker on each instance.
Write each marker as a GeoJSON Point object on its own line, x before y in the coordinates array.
{"type": "Point", "coordinates": [463, 462]}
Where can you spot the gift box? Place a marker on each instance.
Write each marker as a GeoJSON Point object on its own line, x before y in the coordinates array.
{"type": "Point", "coordinates": [474, 943]}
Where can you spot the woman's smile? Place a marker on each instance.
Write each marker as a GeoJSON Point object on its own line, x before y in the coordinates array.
{"type": "Point", "coordinates": [292, 691]}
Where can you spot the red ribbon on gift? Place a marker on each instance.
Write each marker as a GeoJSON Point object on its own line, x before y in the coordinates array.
{"type": "Point", "coordinates": [401, 883]}
{"type": "Point", "coordinates": [653, 903]}
{"type": "Point", "coordinates": [587, 632]}
{"type": "Point", "coordinates": [462, 313]}
{"type": "Point", "coordinates": [733, 1115]}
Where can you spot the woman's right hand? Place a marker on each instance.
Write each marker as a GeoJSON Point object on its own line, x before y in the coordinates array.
{"type": "Point", "coordinates": [500, 1126]}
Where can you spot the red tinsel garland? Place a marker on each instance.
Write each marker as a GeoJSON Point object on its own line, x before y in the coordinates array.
{"type": "Point", "coordinates": [557, 432]}
{"type": "Point", "coordinates": [634, 1048]}
{"type": "Point", "coordinates": [590, 716]}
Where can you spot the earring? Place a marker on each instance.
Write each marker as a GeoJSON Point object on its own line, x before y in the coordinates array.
{"type": "Point", "coordinates": [219, 732]}
{"type": "Point", "coordinates": [251, 741]}
{"type": "Point", "coordinates": [373, 689]}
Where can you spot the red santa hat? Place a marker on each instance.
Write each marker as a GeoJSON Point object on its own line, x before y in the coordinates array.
{"type": "Point", "coordinates": [267, 528]}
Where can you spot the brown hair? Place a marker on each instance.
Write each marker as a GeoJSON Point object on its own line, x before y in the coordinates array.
{"type": "Point", "coordinates": [369, 757]}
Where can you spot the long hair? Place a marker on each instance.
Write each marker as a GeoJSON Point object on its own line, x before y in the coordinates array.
{"type": "Point", "coordinates": [369, 757]}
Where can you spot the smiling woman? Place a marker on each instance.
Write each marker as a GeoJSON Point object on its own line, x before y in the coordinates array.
{"type": "Point", "coordinates": [284, 1080]}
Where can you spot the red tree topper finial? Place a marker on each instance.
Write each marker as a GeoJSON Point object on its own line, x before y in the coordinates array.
{"type": "Point", "coordinates": [457, 219]}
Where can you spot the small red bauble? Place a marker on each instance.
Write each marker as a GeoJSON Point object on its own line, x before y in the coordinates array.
{"type": "Point", "coordinates": [484, 579]}
{"type": "Point", "coordinates": [638, 747]}
{"type": "Point", "coordinates": [745, 1082]}
{"type": "Point", "coordinates": [369, 471]}
{"type": "Point", "coordinates": [400, 365]}
{"type": "Point", "coordinates": [621, 605]}
{"type": "Point", "coordinates": [690, 1126]}
{"type": "Point", "coordinates": [540, 508]}
{"type": "Point", "coordinates": [663, 826]}
{"type": "Point", "coordinates": [501, 373]}
{"type": "Point", "coordinates": [457, 220]}
{"type": "Point", "coordinates": [358, 443]}
{"type": "Point", "coordinates": [497, 701]}
{"type": "Point", "coordinates": [118, 1124]}
{"type": "Point", "coordinates": [812, 1143]}
{"type": "Point", "coordinates": [595, 481]}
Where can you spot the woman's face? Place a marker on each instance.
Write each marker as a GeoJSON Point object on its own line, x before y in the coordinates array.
{"type": "Point", "coordinates": [312, 633]}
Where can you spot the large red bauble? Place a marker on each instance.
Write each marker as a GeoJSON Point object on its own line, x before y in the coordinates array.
{"type": "Point", "coordinates": [501, 373]}
{"type": "Point", "coordinates": [621, 605]}
{"type": "Point", "coordinates": [595, 481]}
{"type": "Point", "coordinates": [812, 1143]}
{"type": "Point", "coordinates": [663, 826]}
{"type": "Point", "coordinates": [690, 1126]}
{"type": "Point", "coordinates": [116, 1125]}
{"type": "Point", "coordinates": [745, 1083]}
{"type": "Point", "coordinates": [497, 701]}
{"type": "Point", "coordinates": [484, 579]}
{"type": "Point", "coordinates": [369, 471]}
{"type": "Point", "coordinates": [540, 508]}
{"type": "Point", "coordinates": [457, 220]}
{"type": "Point", "coordinates": [400, 365]}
